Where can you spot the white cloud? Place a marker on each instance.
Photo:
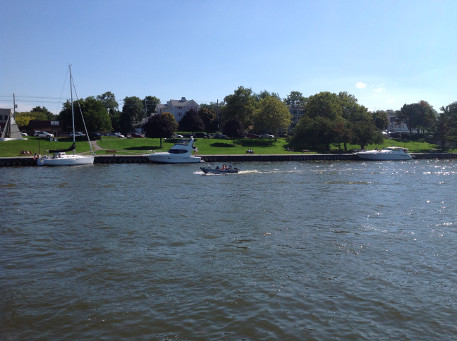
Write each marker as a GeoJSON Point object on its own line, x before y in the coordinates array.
{"type": "Point", "coordinates": [360, 85]}
{"type": "Point", "coordinates": [378, 90]}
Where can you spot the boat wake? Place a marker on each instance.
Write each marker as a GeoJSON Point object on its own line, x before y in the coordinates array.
{"type": "Point", "coordinates": [253, 171]}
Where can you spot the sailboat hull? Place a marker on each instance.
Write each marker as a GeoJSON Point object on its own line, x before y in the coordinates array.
{"type": "Point", "coordinates": [66, 160]}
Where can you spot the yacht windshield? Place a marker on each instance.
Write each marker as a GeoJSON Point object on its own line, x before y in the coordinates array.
{"type": "Point", "coordinates": [177, 151]}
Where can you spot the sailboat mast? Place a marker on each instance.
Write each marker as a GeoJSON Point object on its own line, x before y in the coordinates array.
{"type": "Point", "coordinates": [72, 108]}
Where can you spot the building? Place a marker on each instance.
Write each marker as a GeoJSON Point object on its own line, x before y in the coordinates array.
{"type": "Point", "coordinates": [394, 126]}
{"type": "Point", "coordinates": [52, 127]}
{"type": "Point", "coordinates": [4, 114]}
{"type": "Point", "coordinates": [177, 107]}
{"type": "Point", "coordinates": [297, 113]}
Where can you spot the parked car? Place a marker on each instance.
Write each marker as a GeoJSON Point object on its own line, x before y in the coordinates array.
{"type": "Point", "coordinates": [252, 136]}
{"type": "Point", "coordinates": [220, 136]}
{"type": "Point", "coordinates": [117, 134]}
{"type": "Point", "coordinates": [24, 134]}
{"type": "Point", "coordinates": [201, 135]}
{"type": "Point", "coordinates": [268, 136]}
{"type": "Point", "coordinates": [137, 135]}
{"type": "Point", "coordinates": [43, 134]}
{"type": "Point", "coordinates": [77, 133]}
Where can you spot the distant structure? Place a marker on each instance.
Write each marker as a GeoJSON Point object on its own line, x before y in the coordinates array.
{"type": "Point", "coordinates": [4, 116]}
{"type": "Point", "coordinates": [177, 107]}
{"type": "Point", "coordinates": [395, 126]}
{"type": "Point", "coordinates": [9, 128]}
{"type": "Point", "coordinates": [297, 113]}
{"type": "Point", "coordinates": [52, 127]}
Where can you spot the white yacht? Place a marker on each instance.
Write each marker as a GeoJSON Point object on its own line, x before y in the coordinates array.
{"type": "Point", "coordinates": [385, 154]}
{"type": "Point", "coordinates": [181, 152]}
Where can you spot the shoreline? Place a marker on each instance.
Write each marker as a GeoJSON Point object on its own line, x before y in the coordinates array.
{"type": "Point", "coordinates": [22, 161]}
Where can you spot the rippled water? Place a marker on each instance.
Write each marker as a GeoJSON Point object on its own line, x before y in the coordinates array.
{"type": "Point", "coordinates": [286, 251]}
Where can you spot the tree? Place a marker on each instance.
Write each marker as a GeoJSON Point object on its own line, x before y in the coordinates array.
{"type": "Point", "coordinates": [420, 116]}
{"type": "Point", "coordinates": [209, 119]}
{"type": "Point", "coordinates": [23, 118]}
{"type": "Point", "coordinates": [233, 128]}
{"type": "Point", "coordinates": [380, 119]}
{"type": "Point", "coordinates": [410, 114]}
{"type": "Point", "coordinates": [349, 105]}
{"type": "Point", "coordinates": [264, 94]}
{"type": "Point", "coordinates": [159, 126]}
{"type": "Point", "coordinates": [214, 108]}
{"type": "Point", "coordinates": [191, 121]}
{"type": "Point", "coordinates": [108, 99]}
{"type": "Point", "coordinates": [295, 100]}
{"type": "Point", "coordinates": [273, 116]}
{"type": "Point", "coordinates": [132, 113]}
{"type": "Point", "coordinates": [343, 133]}
{"type": "Point", "coordinates": [239, 106]}
{"type": "Point", "coordinates": [316, 129]}
{"type": "Point", "coordinates": [109, 102]}
{"type": "Point", "coordinates": [428, 116]}
{"type": "Point", "coordinates": [49, 115]}
{"type": "Point", "coordinates": [95, 115]}
{"type": "Point", "coordinates": [316, 133]}
{"type": "Point", "coordinates": [442, 130]}
{"type": "Point", "coordinates": [324, 104]}
{"type": "Point", "coordinates": [150, 103]}
{"type": "Point", "coordinates": [446, 125]}
{"type": "Point", "coordinates": [364, 128]}
{"type": "Point", "coordinates": [172, 119]}
{"type": "Point", "coordinates": [331, 118]}
{"type": "Point", "coordinates": [364, 133]}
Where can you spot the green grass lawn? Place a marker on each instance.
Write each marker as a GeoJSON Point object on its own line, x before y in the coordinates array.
{"type": "Point", "coordinates": [140, 146]}
{"type": "Point", "coordinates": [204, 146]}
{"type": "Point", "coordinates": [39, 146]}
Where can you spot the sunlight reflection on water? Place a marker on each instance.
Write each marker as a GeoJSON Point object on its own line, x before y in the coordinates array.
{"type": "Point", "coordinates": [318, 250]}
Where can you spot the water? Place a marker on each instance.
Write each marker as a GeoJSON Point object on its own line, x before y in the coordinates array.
{"type": "Point", "coordinates": [285, 251]}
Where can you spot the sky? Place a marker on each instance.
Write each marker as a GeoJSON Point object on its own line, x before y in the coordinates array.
{"type": "Point", "coordinates": [386, 53]}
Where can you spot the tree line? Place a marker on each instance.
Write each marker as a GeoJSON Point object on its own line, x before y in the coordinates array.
{"type": "Point", "coordinates": [327, 118]}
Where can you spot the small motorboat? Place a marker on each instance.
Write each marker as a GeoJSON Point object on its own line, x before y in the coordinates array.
{"type": "Point", "coordinates": [220, 170]}
{"type": "Point", "coordinates": [386, 154]}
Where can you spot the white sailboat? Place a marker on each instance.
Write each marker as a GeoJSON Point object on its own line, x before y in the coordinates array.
{"type": "Point", "coordinates": [59, 157]}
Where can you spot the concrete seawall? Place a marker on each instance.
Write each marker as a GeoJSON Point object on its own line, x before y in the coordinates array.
{"type": "Point", "coordinates": [107, 159]}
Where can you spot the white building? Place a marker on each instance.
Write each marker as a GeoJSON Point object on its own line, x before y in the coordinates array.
{"type": "Point", "coordinates": [395, 126]}
{"type": "Point", "coordinates": [177, 107]}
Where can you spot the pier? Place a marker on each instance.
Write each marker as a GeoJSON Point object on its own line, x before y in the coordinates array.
{"type": "Point", "coordinates": [117, 159]}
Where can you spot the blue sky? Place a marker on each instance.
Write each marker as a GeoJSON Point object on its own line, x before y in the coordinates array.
{"type": "Point", "coordinates": [384, 52]}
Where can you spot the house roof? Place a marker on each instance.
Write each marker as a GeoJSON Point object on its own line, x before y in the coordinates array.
{"type": "Point", "coordinates": [183, 102]}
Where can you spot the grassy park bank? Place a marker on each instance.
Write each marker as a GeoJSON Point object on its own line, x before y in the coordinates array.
{"type": "Point", "coordinates": [139, 146]}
